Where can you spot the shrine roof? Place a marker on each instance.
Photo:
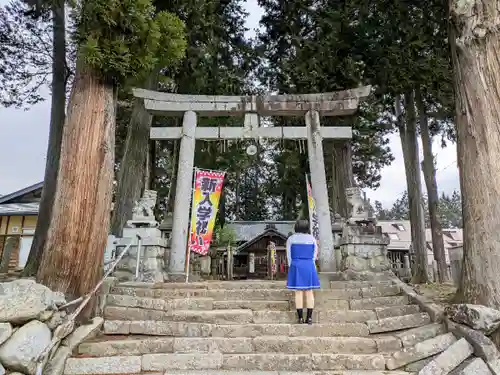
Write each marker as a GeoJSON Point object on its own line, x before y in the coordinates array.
{"type": "Point", "coordinates": [248, 230]}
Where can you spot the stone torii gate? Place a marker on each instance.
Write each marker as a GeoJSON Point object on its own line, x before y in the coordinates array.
{"type": "Point", "coordinates": [311, 106]}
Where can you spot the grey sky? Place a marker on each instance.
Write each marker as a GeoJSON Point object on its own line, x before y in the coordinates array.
{"type": "Point", "coordinates": [24, 137]}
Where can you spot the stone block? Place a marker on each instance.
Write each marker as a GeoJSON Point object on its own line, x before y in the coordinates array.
{"type": "Point", "coordinates": [117, 327]}
{"type": "Point", "coordinates": [213, 344]}
{"type": "Point", "coordinates": [268, 362]}
{"type": "Point", "coordinates": [330, 330]}
{"type": "Point", "coordinates": [103, 365]}
{"type": "Point", "coordinates": [483, 346]}
{"type": "Point", "coordinates": [413, 336]}
{"type": "Point", "coordinates": [128, 347]}
{"type": "Point", "coordinates": [453, 356]}
{"type": "Point", "coordinates": [250, 330]}
{"type": "Point", "coordinates": [347, 316]}
{"type": "Point", "coordinates": [415, 367]}
{"type": "Point", "coordinates": [420, 351]}
{"type": "Point", "coordinates": [382, 290]}
{"type": "Point", "coordinates": [186, 361]}
{"type": "Point", "coordinates": [24, 346]}
{"type": "Point", "coordinates": [398, 323]}
{"type": "Point", "coordinates": [252, 305]}
{"type": "Point", "coordinates": [348, 361]}
{"type": "Point", "coordinates": [386, 344]}
{"type": "Point", "coordinates": [310, 345]}
{"type": "Point", "coordinates": [475, 366]}
{"type": "Point", "coordinates": [386, 312]}
{"type": "Point", "coordinates": [169, 328]}
{"type": "Point", "coordinates": [372, 303]}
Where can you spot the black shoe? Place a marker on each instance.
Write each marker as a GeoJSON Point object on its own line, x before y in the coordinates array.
{"type": "Point", "coordinates": [309, 316]}
{"type": "Point", "coordinates": [300, 316]}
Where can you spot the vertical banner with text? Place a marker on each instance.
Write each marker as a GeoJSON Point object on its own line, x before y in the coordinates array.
{"type": "Point", "coordinates": [206, 196]}
{"type": "Point", "coordinates": [313, 218]}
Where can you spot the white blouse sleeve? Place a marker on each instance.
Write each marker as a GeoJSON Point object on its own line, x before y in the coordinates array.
{"type": "Point", "coordinates": [289, 251]}
{"type": "Point", "coordinates": [316, 250]}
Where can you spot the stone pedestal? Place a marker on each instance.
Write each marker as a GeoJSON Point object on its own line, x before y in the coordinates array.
{"type": "Point", "coordinates": [364, 248]}
{"type": "Point", "coordinates": [148, 247]}
{"type": "Point", "coordinates": [152, 265]}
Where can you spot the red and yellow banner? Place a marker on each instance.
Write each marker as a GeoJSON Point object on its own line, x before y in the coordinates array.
{"type": "Point", "coordinates": [313, 217]}
{"type": "Point", "coordinates": [206, 197]}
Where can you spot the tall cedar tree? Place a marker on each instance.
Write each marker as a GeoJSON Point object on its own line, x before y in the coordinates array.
{"type": "Point", "coordinates": [107, 56]}
{"type": "Point", "coordinates": [307, 47]}
{"type": "Point", "coordinates": [475, 42]}
{"type": "Point", "coordinates": [218, 61]}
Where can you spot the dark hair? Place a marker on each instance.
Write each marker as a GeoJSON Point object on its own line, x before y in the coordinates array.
{"type": "Point", "coordinates": [301, 226]}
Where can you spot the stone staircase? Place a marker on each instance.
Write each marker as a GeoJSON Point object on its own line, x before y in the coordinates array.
{"type": "Point", "coordinates": [248, 327]}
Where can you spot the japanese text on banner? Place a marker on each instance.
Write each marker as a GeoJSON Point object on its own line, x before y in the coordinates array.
{"type": "Point", "coordinates": [313, 217]}
{"type": "Point", "coordinates": [272, 249]}
{"type": "Point", "coordinates": [206, 197]}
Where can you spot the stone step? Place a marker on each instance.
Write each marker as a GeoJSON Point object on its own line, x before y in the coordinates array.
{"type": "Point", "coordinates": [203, 303]}
{"type": "Point", "coordinates": [250, 284]}
{"type": "Point", "coordinates": [276, 294]}
{"type": "Point", "coordinates": [107, 347]}
{"type": "Point", "coordinates": [412, 336]}
{"type": "Point", "coordinates": [398, 323]}
{"type": "Point", "coordinates": [243, 372]}
{"type": "Point", "coordinates": [209, 285]}
{"type": "Point", "coordinates": [420, 351]}
{"type": "Point", "coordinates": [448, 360]}
{"type": "Point", "coordinates": [239, 316]}
{"type": "Point", "coordinates": [182, 329]}
{"type": "Point", "coordinates": [219, 361]}
{"type": "Point", "coordinates": [197, 303]}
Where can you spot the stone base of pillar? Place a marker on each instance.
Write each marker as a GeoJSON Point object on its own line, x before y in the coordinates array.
{"type": "Point", "coordinates": [152, 264]}
{"type": "Point", "coordinates": [364, 249]}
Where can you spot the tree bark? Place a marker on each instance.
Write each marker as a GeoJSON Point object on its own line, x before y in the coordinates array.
{"type": "Point", "coordinates": [73, 255]}
{"type": "Point", "coordinates": [409, 144]}
{"type": "Point", "coordinates": [57, 115]}
{"type": "Point", "coordinates": [173, 177]}
{"type": "Point", "coordinates": [342, 177]}
{"type": "Point", "coordinates": [475, 42]}
{"type": "Point", "coordinates": [134, 166]}
{"type": "Point", "coordinates": [432, 191]}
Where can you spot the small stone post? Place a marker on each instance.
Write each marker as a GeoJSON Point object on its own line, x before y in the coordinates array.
{"type": "Point", "coordinates": [363, 246]}
{"type": "Point", "coordinates": [184, 187]}
{"type": "Point", "coordinates": [153, 246]}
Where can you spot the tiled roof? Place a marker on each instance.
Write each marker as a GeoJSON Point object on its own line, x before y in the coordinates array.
{"type": "Point", "coordinates": [247, 230]}
{"type": "Point", "coordinates": [20, 193]}
{"type": "Point", "coordinates": [14, 209]}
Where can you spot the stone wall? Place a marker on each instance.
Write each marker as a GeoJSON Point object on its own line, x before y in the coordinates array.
{"type": "Point", "coordinates": [29, 318]}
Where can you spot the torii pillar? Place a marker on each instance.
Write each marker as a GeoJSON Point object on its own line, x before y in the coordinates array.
{"type": "Point", "coordinates": [311, 106]}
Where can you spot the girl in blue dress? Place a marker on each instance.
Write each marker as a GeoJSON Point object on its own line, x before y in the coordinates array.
{"type": "Point", "coordinates": [302, 252]}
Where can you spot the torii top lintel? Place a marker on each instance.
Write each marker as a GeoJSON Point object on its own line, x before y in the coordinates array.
{"type": "Point", "coordinates": [338, 103]}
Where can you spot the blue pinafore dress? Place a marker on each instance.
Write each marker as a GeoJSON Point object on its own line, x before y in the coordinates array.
{"type": "Point", "coordinates": [302, 273]}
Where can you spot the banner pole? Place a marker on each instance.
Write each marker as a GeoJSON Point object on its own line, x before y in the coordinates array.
{"type": "Point", "coordinates": [188, 253]}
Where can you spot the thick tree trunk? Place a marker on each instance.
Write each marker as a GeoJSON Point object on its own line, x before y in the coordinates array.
{"type": "Point", "coordinates": [409, 144]}
{"type": "Point", "coordinates": [134, 165]}
{"type": "Point", "coordinates": [432, 191]}
{"type": "Point", "coordinates": [342, 177]}
{"type": "Point", "coordinates": [57, 114]}
{"type": "Point", "coordinates": [131, 176]}
{"type": "Point", "coordinates": [72, 260]}
{"type": "Point", "coordinates": [476, 61]}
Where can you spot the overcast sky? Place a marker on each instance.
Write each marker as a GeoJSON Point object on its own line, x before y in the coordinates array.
{"type": "Point", "coordinates": [24, 136]}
